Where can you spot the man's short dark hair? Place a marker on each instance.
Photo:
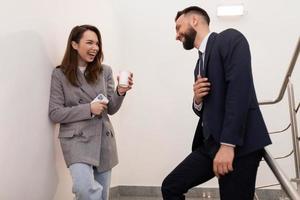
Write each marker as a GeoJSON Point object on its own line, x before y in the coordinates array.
{"type": "Point", "coordinates": [195, 9]}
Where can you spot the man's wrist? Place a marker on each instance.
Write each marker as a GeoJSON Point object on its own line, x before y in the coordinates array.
{"type": "Point", "coordinates": [197, 101]}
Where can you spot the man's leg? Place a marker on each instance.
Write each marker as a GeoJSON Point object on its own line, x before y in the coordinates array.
{"type": "Point", "coordinates": [240, 183]}
{"type": "Point", "coordinates": [195, 169]}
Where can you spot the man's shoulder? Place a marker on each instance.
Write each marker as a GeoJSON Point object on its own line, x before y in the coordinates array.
{"type": "Point", "coordinates": [231, 33]}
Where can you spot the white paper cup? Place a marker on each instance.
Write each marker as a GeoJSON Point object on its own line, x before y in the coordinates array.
{"type": "Point", "coordinates": [124, 78]}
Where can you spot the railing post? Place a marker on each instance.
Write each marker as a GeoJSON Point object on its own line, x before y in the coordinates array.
{"type": "Point", "coordinates": [294, 130]}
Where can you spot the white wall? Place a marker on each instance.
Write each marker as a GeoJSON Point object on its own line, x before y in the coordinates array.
{"type": "Point", "coordinates": [156, 124]}
{"type": "Point", "coordinates": [26, 144]}
{"type": "Point", "coordinates": [33, 38]}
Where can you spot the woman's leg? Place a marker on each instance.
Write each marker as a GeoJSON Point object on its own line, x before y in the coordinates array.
{"type": "Point", "coordinates": [84, 185]}
{"type": "Point", "coordinates": [103, 178]}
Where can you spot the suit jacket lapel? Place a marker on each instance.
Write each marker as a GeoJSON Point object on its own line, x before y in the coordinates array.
{"type": "Point", "coordinates": [100, 86]}
{"type": "Point", "coordinates": [210, 44]}
{"type": "Point", "coordinates": [85, 86]}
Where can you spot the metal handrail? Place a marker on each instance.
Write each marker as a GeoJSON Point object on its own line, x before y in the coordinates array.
{"type": "Point", "coordinates": [294, 130]}
{"type": "Point", "coordinates": [286, 78]}
{"type": "Point", "coordinates": [281, 177]}
{"type": "Point", "coordinates": [275, 132]}
{"type": "Point", "coordinates": [285, 183]}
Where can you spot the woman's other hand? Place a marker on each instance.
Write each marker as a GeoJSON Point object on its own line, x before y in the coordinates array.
{"type": "Point", "coordinates": [98, 107]}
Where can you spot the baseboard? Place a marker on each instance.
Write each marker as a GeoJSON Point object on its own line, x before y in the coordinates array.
{"type": "Point", "coordinates": [154, 191]}
{"type": "Point", "coordinates": [114, 192]}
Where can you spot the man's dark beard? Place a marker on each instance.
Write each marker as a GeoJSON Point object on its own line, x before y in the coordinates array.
{"type": "Point", "coordinates": [189, 39]}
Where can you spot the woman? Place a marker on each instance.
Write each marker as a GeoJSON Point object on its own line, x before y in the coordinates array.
{"type": "Point", "coordinates": [86, 135]}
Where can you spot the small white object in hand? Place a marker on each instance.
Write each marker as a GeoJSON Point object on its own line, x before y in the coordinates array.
{"type": "Point", "coordinates": [101, 98]}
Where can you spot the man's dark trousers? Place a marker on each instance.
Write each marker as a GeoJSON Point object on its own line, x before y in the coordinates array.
{"type": "Point", "coordinates": [197, 168]}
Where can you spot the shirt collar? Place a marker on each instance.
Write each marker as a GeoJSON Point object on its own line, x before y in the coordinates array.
{"type": "Point", "coordinates": [204, 43]}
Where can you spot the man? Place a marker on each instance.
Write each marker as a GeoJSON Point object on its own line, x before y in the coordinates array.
{"type": "Point", "coordinates": [231, 134]}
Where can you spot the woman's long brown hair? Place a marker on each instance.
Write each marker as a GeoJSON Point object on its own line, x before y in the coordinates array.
{"type": "Point", "coordinates": [69, 63]}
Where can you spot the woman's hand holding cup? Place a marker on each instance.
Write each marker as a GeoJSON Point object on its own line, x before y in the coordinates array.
{"type": "Point", "coordinates": [125, 82]}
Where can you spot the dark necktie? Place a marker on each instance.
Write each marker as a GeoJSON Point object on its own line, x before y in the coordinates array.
{"type": "Point", "coordinates": [199, 69]}
{"type": "Point", "coordinates": [201, 64]}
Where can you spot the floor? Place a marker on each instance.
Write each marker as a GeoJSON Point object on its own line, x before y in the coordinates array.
{"type": "Point", "coordinates": [154, 198]}
{"type": "Point", "coordinates": [159, 198]}
{"type": "Point", "coordinates": [144, 193]}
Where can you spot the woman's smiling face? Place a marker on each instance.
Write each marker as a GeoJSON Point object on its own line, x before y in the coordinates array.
{"type": "Point", "coordinates": [87, 48]}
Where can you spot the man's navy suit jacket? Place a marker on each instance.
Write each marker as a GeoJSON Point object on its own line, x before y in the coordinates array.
{"type": "Point", "coordinates": [230, 112]}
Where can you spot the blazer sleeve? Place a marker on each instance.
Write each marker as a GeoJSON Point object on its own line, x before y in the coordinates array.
{"type": "Point", "coordinates": [115, 101]}
{"type": "Point", "coordinates": [58, 112]}
{"type": "Point", "coordinates": [238, 80]}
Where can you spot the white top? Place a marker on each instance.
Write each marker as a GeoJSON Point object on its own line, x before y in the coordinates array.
{"type": "Point", "coordinates": [203, 45]}
{"type": "Point", "coordinates": [82, 68]}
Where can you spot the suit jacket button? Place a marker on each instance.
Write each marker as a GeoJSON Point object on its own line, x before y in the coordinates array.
{"type": "Point", "coordinates": [107, 133]}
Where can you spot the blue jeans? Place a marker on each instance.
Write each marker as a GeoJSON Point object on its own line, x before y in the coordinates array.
{"type": "Point", "coordinates": [88, 183]}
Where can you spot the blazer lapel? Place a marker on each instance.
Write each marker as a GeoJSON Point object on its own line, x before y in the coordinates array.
{"type": "Point", "coordinates": [210, 44]}
{"type": "Point", "coordinates": [100, 86]}
{"type": "Point", "coordinates": [85, 86]}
